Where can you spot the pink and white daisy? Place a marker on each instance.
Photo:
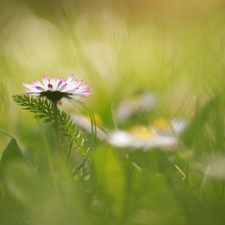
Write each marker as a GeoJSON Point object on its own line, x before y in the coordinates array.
{"type": "Point", "coordinates": [56, 89]}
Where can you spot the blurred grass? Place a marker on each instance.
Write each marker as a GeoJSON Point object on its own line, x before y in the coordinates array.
{"type": "Point", "coordinates": [120, 49]}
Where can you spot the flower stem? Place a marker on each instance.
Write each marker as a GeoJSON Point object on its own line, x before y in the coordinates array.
{"type": "Point", "coordinates": [49, 157]}
{"type": "Point", "coordinates": [57, 133]}
{"type": "Point", "coordinates": [58, 141]}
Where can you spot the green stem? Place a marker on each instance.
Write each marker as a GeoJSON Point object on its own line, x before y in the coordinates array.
{"type": "Point", "coordinates": [57, 133]}
{"type": "Point", "coordinates": [50, 162]}
{"type": "Point", "coordinates": [69, 153]}
{"type": "Point", "coordinates": [58, 141]}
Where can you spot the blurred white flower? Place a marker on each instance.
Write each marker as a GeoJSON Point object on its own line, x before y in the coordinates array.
{"type": "Point", "coordinates": [85, 123]}
{"type": "Point", "coordinates": [139, 103]}
{"type": "Point", "coordinates": [141, 137]}
{"type": "Point", "coordinates": [169, 127]}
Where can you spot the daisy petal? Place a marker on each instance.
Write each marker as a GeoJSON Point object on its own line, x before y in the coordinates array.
{"type": "Point", "coordinates": [45, 81]}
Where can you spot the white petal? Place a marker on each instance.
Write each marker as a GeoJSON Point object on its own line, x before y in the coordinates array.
{"type": "Point", "coordinates": [179, 125]}
{"type": "Point", "coordinates": [69, 79]}
{"type": "Point", "coordinates": [39, 84]}
{"type": "Point", "coordinates": [120, 139]}
{"type": "Point", "coordinates": [53, 83]}
{"type": "Point", "coordinates": [45, 81]}
{"type": "Point", "coordinates": [58, 83]}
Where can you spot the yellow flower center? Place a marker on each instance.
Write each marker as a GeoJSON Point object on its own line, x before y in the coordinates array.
{"type": "Point", "coordinates": [142, 132]}
{"type": "Point", "coordinates": [161, 124]}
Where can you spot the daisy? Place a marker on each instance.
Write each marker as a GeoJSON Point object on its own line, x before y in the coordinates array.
{"type": "Point", "coordinates": [56, 89]}
{"type": "Point", "coordinates": [169, 127]}
{"type": "Point", "coordinates": [141, 137]}
{"type": "Point", "coordinates": [139, 103]}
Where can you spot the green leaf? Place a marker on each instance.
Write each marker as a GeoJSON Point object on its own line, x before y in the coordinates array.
{"type": "Point", "coordinates": [194, 131]}
{"type": "Point", "coordinates": [110, 174]}
{"type": "Point", "coordinates": [12, 154]}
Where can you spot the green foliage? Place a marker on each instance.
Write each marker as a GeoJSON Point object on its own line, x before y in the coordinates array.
{"type": "Point", "coordinates": [211, 113]}
{"type": "Point", "coordinates": [33, 194]}
{"type": "Point", "coordinates": [44, 109]}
